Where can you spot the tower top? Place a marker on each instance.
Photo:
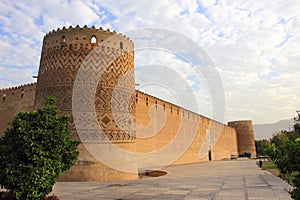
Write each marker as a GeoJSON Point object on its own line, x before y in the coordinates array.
{"type": "Point", "coordinates": [85, 38]}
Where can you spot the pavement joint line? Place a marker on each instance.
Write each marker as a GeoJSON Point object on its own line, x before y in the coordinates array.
{"type": "Point", "coordinates": [245, 188]}
{"type": "Point", "coordinates": [220, 188]}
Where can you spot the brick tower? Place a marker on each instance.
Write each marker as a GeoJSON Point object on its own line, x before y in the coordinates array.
{"type": "Point", "coordinates": [107, 56]}
{"type": "Point", "coordinates": [245, 136]}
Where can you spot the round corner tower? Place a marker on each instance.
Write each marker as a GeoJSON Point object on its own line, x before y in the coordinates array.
{"type": "Point", "coordinates": [65, 51]}
{"type": "Point", "coordinates": [245, 136]}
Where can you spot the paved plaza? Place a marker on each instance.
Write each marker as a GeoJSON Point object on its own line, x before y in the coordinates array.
{"type": "Point", "coordinates": [219, 180]}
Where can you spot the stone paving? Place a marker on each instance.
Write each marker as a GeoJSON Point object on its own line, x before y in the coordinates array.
{"type": "Point", "coordinates": [218, 180]}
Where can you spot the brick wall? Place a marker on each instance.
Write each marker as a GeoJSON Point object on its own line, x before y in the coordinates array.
{"type": "Point", "coordinates": [159, 123]}
{"type": "Point", "coordinates": [13, 100]}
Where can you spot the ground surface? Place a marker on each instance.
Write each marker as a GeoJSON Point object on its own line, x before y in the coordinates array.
{"type": "Point", "coordinates": [219, 180]}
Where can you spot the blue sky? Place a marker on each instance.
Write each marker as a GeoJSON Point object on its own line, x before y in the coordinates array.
{"type": "Point", "coordinates": [255, 45]}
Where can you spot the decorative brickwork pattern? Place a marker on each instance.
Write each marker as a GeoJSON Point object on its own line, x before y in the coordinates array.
{"type": "Point", "coordinates": [102, 54]}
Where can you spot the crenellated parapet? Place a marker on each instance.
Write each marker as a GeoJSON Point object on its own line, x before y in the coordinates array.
{"type": "Point", "coordinates": [86, 38]}
{"type": "Point", "coordinates": [147, 100]}
{"type": "Point", "coordinates": [16, 93]}
{"type": "Point", "coordinates": [28, 85]}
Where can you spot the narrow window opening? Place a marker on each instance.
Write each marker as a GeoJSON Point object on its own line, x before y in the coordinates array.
{"type": "Point", "coordinates": [93, 39]}
{"type": "Point", "coordinates": [22, 93]}
{"type": "Point", "coordinates": [63, 39]}
{"type": "Point", "coordinates": [171, 110]}
{"type": "Point", "coordinates": [136, 98]}
{"type": "Point", "coordinates": [156, 104]}
{"type": "Point", "coordinates": [147, 101]}
{"type": "Point", "coordinates": [121, 45]}
{"type": "Point", "coordinates": [4, 96]}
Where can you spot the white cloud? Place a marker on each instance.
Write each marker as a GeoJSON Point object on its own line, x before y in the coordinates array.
{"type": "Point", "coordinates": [255, 45]}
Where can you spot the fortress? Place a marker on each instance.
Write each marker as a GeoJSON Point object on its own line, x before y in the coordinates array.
{"type": "Point", "coordinates": [90, 72]}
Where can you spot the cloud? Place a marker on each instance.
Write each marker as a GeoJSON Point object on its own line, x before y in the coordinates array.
{"type": "Point", "coordinates": [255, 45]}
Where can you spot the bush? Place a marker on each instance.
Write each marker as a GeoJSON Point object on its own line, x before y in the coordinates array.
{"type": "Point", "coordinates": [285, 153]}
{"type": "Point", "coordinates": [35, 151]}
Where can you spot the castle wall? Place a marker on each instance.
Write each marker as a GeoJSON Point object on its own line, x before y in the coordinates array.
{"type": "Point", "coordinates": [158, 123]}
{"type": "Point", "coordinates": [13, 100]}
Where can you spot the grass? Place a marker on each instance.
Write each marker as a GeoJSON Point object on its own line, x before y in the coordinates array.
{"type": "Point", "coordinates": [271, 167]}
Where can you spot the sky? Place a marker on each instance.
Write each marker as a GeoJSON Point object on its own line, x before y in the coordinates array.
{"type": "Point", "coordinates": [254, 46]}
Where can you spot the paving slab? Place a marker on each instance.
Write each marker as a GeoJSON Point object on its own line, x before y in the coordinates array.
{"type": "Point", "coordinates": [217, 180]}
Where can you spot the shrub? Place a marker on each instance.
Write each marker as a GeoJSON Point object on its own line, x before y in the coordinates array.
{"type": "Point", "coordinates": [285, 153]}
{"type": "Point", "coordinates": [35, 151]}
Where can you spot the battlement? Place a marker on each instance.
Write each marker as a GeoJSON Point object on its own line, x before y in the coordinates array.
{"type": "Point", "coordinates": [148, 101]}
{"type": "Point", "coordinates": [19, 97]}
{"type": "Point", "coordinates": [17, 90]}
{"type": "Point", "coordinates": [86, 38]}
{"type": "Point", "coordinates": [241, 123]}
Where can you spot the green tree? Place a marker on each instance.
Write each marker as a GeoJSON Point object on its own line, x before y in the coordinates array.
{"type": "Point", "coordinates": [278, 138]}
{"type": "Point", "coordinates": [285, 153]}
{"type": "Point", "coordinates": [296, 126]}
{"type": "Point", "coordinates": [262, 147]}
{"type": "Point", "coordinates": [35, 151]}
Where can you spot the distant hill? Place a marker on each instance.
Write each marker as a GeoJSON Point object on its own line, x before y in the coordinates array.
{"type": "Point", "coordinates": [265, 131]}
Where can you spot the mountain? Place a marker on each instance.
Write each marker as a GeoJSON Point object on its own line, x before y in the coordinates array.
{"type": "Point", "coordinates": [265, 131]}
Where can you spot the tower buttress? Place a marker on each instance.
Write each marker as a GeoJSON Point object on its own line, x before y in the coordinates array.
{"type": "Point", "coordinates": [245, 136]}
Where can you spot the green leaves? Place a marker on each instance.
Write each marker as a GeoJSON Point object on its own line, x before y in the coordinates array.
{"type": "Point", "coordinates": [262, 147]}
{"type": "Point", "coordinates": [285, 153]}
{"type": "Point", "coordinates": [35, 151]}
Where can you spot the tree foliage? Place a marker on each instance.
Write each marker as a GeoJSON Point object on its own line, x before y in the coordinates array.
{"type": "Point", "coordinates": [285, 153]}
{"type": "Point", "coordinates": [262, 147]}
{"type": "Point", "coordinates": [35, 151]}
